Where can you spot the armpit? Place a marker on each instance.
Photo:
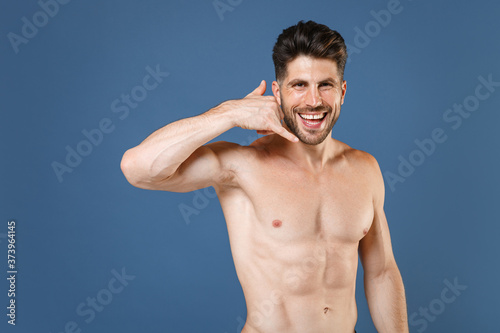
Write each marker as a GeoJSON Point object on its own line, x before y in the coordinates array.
{"type": "Point", "coordinates": [227, 177]}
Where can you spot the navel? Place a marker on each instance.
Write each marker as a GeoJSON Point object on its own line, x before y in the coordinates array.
{"type": "Point", "coordinates": [277, 223]}
{"type": "Point", "coordinates": [325, 310]}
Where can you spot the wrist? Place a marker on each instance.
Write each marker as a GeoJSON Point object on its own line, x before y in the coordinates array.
{"type": "Point", "coordinates": [224, 113]}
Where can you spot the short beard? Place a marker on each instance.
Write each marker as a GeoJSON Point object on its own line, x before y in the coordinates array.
{"type": "Point", "coordinates": [291, 121]}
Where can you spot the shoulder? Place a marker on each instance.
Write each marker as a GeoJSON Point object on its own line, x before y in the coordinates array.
{"type": "Point", "coordinates": [228, 154]}
{"type": "Point", "coordinates": [361, 159]}
{"type": "Point", "coordinates": [231, 150]}
{"type": "Point", "coordinates": [355, 157]}
{"type": "Point", "coordinates": [365, 166]}
{"type": "Point", "coordinates": [232, 159]}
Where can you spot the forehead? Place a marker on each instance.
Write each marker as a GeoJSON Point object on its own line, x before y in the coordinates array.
{"type": "Point", "coordinates": [311, 69]}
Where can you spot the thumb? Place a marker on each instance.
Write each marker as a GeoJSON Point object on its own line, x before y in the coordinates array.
{"type": "Point", "coordinates": [260, 90]}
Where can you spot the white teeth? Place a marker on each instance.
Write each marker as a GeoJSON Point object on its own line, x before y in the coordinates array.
{"type": "Point", "coordinates": [311, 116]}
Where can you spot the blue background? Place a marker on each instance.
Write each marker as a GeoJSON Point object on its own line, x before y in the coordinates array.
{"type": "Point", "coordinates": [72, 233]}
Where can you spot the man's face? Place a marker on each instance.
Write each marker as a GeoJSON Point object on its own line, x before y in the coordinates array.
{"type": "Point", "coordinates": [310, 96]}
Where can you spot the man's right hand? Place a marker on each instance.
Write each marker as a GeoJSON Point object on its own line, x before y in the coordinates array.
{"type": "Point", "coordinates": [260, 113]}
{"type": "Point", "coordinates": [175, 157]}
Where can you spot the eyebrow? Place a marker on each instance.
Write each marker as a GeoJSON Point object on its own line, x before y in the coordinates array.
{"type": "Point", "coordinates": [327, 80]}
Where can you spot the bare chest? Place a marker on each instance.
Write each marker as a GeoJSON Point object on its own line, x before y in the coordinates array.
{"type": "Point", "coordinates": [291, 205]}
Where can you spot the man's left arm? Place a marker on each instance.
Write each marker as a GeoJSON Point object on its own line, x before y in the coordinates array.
{"type": "Point", "coordinates": [384, 287]}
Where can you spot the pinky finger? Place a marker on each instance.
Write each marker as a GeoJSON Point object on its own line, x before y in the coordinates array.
{"type": "Point", "coordinates": [280, 130]}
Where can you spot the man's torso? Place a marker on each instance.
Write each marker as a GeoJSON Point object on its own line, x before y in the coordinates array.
{"type": "Point", "coordinates": [294, 236]}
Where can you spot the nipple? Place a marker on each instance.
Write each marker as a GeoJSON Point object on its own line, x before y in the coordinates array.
{"type": "Point", "coordinates": [365, 231]}
{"type": "Point", "coordinates": [277, 223]}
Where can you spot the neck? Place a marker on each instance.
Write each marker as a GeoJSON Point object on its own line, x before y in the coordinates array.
{"type": "Point", "coordinates": [312, 157]}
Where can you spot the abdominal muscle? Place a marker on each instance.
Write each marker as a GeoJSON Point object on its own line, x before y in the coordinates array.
{"type": "Point", "coordinates": [292, 281]}
{"type": "Point", "coordinates": [298, 290]}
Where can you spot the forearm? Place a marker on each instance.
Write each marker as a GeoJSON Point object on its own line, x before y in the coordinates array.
{"type": "Point", "coordinates": [387, 302]}
{"type": "Point", "coordinates": [161, 153]}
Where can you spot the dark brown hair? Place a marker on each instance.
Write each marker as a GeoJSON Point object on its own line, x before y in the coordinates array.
{"type": "Point", "coordinates": [309, 39]}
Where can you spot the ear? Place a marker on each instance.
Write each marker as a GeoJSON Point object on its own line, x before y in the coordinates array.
{"type": "Point", "coordinates": [344, 87]}
{"type": "Point", "coordinates": [276, 91]}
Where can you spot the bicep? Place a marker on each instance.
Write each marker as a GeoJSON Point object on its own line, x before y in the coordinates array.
{"type": "Point", "coordinates": [205, 167]}
{"type": "Point", "coordinates": [375, 249]}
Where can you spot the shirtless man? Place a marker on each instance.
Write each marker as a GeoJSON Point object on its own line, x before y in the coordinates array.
{"type": "Point", "coordinates": [299, 205]}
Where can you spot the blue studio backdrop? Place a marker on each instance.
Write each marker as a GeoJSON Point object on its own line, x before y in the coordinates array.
{"type": "Point", "coordinates": [83, 81]}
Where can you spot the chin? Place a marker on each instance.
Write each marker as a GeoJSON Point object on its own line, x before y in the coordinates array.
{"type": "Point", "coordinates": [310, 136]}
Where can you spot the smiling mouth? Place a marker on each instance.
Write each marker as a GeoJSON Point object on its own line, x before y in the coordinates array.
{"type": "Point", "coordinates": [313, 119]}
{"type": "Point", "coordinates": [313, 116]}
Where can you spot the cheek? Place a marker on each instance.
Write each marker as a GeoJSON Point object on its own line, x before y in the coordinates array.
{"type": "Point", "coordinates": [290, 101]}
{"type": "Point", "coordinates": [298, 96]}
{"type": "Point", "coordinates": [331, 95]}
{"type": "Point", "coordinates": [295, 94]}
{"type": "Point", "coordinates": [333, 100]}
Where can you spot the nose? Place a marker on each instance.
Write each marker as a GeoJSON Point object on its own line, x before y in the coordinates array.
{"type": "Point", "coordinates": [313, 98]}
